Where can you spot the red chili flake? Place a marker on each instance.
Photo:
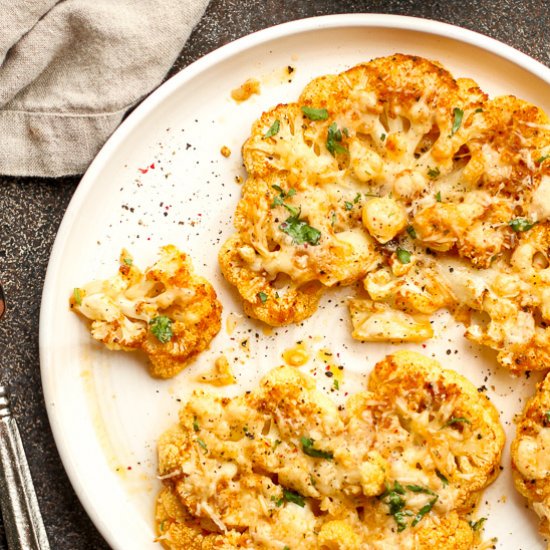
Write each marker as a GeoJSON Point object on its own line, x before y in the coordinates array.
{"type": "Point", "coordinates": [129, 468]}
{"type": "Point", "coordinates": [152, 166]}
{"type": "Point", "coordinates": [143, 170]}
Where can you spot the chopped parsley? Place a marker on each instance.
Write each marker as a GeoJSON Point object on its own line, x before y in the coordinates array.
{"type": "Point", "coordinates": [291, 496]}
{"type": "Point", "coordinates": [477, 525]}
{"type": "Point", "coordinates": [434, 172]}
{"type": "Point", "coordinates": [542, 159]}
{"type": "Point", "coordinates": [300, 231]}
{"type": "Point", "coordinates": [333, 219]}
{"type": "Point", "coordinates": [420, 489]}
{"type": "Point", "coordinates": [456, 420]}
{"type": "Point", "coordinates": [286, 547]}
{"type": "Point", "coordinates": [521, 224]}
{"type": "Point", "coordinates": [396, 503]}
{"type": "Point", "coordinates": [273, 130]}
{"type": "Point", "coordinates": [404, 256]}
{"type": "Point", "coordinates": [128, 261]}
{"type": "Point", "coordinates": [394, 498]}
{"type": "Point", "coordinates": [357, 198]}
{"type": "Point", "coordinates": [382, 137]}
{"type": "Point", "coordinates": [77, 296]}
{"type": "Point", "coordinates": [443, 479]}
{"type": "Point", "coordinates": [279, 199]}
{"type": "Point", "coordinates": [438, 196]}
{"type": "Point", "coordinates": [336, 384]}
{"type": "Point", "coordinates": [547, 416]}
{"type": "Point", "coordinates": [202, 444]}
{"type": "Point", "coordinates": [196, 426]}
{"type": "Point", "coordinates": [411, 232]}
{"type": "Point", "coordinates": [310, 450]}
{"type": "Point", "coordinates": [424, 510]}
{"type": "Point", "coordinates": [457, 120]}
{"type": "Point", "coordinates": [478, 110]}
{"type": "Point", "coordinates": [334, 137]}
{"type": "Point", "coordinates": [348, 205]}
{"type": "Point", "coordinates": [262, 296]}
{"type": "Point", "coordinates": [315, 114]}
{"type": "Point", "coordinates": [161, 327]}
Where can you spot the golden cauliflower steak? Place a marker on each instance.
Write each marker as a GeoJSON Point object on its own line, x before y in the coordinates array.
{"type": "Point", "coordinates": [531, 454]}
{"type": "Point", "coordinates": [399, 465]}
{"type": "Point", "coordinates": [380, 173]}
{"type": "Point", "coordinates": [168, 311]}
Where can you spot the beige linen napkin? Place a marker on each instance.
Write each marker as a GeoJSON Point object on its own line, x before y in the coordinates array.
{"type": "Point", "coordinates": [70, 69]}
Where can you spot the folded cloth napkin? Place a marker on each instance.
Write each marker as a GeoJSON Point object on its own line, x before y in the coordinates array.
{"type": "Point", "coordinates": [70, 69]}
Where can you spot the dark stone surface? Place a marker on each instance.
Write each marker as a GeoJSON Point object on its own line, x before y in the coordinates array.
{"type": "Point", "coordinates": [31, 210]}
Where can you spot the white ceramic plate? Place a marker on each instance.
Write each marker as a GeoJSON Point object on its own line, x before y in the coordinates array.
{"type": "Point", "coordinates": [161, 179]}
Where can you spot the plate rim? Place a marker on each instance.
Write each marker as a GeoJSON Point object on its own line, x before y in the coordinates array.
{"type": "Point", "coordinates": [157, 97]}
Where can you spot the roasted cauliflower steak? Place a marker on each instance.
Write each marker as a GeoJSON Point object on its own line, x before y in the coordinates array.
{"type": "Point", "coordinates": [531, 454]}
{"type": "Point", "coordinates": [399, 465]}
{"type": "Point", "coordinates": [168, 312]}
{"type": "Point", "coordinates": [378, 174]}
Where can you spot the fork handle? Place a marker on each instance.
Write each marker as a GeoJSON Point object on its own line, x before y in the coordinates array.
{"type": "Point", "coordinates": [20, 512]}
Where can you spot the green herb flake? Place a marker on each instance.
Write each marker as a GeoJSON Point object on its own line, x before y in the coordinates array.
{"type": "Point", "coordinates": [333, 219]}
{"type": "Point", "coordinates": [477, 525]}
{"type": "Point", "coordinates": [348, 205]}
{"type": "Point", "coordinates": [77, 296]}
{"type": "Point", "coordinates": [382, 137]}
{"type": "Point", "coordinates": [293, 211]}
{"type": "Point", "coordinates": [310, 450]}
{"type": "Point", "coordinates": [286, 547]}
{"type": "Point", "coordinates": [278, 501]}
{"type": "Point", "coordinates": [128, 261]}
{"type": "Point", "coordinates": [395, 501]}
{"type": "Point", "coordinates": [357, 198]}
{"type": "Point", "coordinates": [336, 385]}
{"type": "Point", "coordinates": [334, 137]}
{"type": "Point", "coordinates": [300, 231]}
{"type": "Point", "coordinates": [161, 327]}
{"type": "Point", "coordinates": [443, 479]}
{"type": "Point", "coordinates": [521, 224]}
{"type": "Point", "coordinates": [542, 159]}
{"type": "Point", "coordinates": [434, 172]}
{"type": "Point", "coordinates": [438, 196]}
{"type": "Point", "coordinates": [420, 489]}
{"type": "Point", "coordinates": [262, 296]}
{"type": "Point", "coordinates": [291, 192]}
{"type": "Point", "coordinates": [296, 498]}
{"type": "Point", "coordinates": [411, 232]}
{"type": "Point", "coordinates": [458, 114]}
{"type": "Point", "coordinates": [424, 510]}
{"type": "Point", "coordinates": [273, 129]}
{"type": "Point", "coordinates": [315, 114]}
{"type": "Point", "coordinates": [456, 420]}
{"type": "Point", "coordinates": [478, 110]}
{"type": "Point", "coordinates": [277, 201]}
{"type": "Point", "coordinates": [404, 256]}
{"type": "Point", "coordinates": [547, 416]}
{"type": "Point", "coordinates": [202, 445]}
{"type": "Point", "coordinates": [196, 426]}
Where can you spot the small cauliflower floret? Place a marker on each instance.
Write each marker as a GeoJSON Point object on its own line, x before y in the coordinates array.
{"type": "Point", "coordinates": [531, 454]}
{"type": "Point", "coordinates": [409, 184]}
{"type": "Point", "coordinates": [378, 322]}
{"type": "Point", "coordinates": [339, 535]}
{"type": "Point", "coordinates": [167, 311]}
{"type": "Point", "coordinates": [365, 163]}
{"type": "Point", "coordinates": [384, 218]}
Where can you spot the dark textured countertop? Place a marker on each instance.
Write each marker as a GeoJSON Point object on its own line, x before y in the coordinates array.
{"type": "Point", "coordinates": [31, 210]}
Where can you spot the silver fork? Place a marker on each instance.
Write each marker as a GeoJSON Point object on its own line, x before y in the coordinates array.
{"type": "Point", "coordinates": [22, 519]}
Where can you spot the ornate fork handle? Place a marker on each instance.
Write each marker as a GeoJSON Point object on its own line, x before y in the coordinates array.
{"type": "Point", "coordinates": [22, 519]}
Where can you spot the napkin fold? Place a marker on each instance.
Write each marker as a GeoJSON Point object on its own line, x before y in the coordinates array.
{"type": "Point", "coordinates": [70, 69]}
